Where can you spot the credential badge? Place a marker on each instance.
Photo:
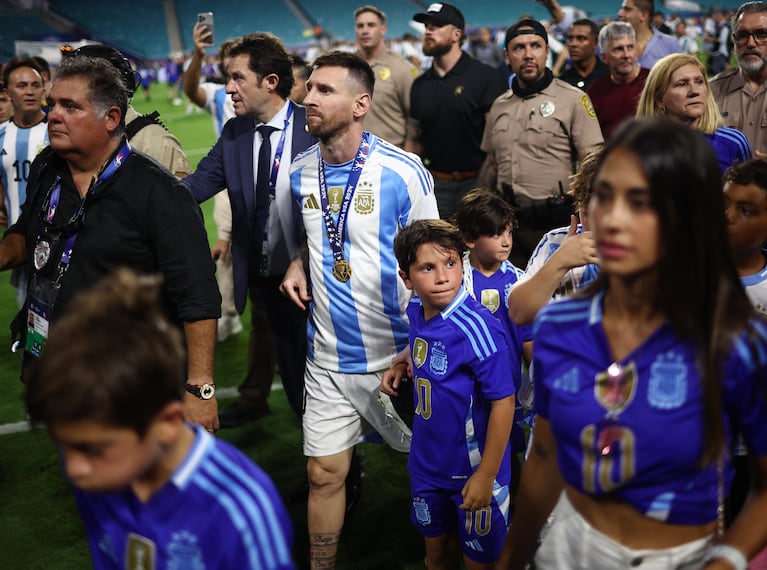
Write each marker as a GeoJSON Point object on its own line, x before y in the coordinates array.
{"type": "Point", "coordinates": [547, 109]}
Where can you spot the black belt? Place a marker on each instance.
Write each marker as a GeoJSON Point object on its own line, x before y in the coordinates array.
{"type": "Point", "coordinates": [456, 176]}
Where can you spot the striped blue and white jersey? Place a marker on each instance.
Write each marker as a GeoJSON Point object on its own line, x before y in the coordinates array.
{"type": "Point", "coordinates": [219, 511]}
{"type": "Point", "coordinates": [218, 104]}
{"type": "Point", "coordinates": [756, 289]}
{"type": "Point", "coordinates": [18, 148]}
{"type": "Point", "coordinates": [575, 279]}
{"type": "Point", "coordinates": [357, 326]}
{"type": "Point", "coordinates": [462, 361]}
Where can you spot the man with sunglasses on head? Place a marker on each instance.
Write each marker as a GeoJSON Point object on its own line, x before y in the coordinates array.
{"type": "Point", "coordinates": [741, 93]}
{"type": "Point", "coordinates": [95, 204]}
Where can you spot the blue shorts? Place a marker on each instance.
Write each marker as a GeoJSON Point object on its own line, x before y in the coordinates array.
{"type": "Point", "coordinates": [437, 512]}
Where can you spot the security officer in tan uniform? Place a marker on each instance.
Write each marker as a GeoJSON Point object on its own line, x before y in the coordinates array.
{"type": "Point", "coordinates": [534, 137]}
{"type": "Point", "coordinates": [390, 108]}
{"type": "Point", "coordinates": [741, 93]}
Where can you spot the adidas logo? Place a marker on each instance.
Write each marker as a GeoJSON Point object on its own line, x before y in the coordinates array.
{"type": "Point", "coordinates": [311, 203]}
{"type": "Point", "coordinates": [474, 545]}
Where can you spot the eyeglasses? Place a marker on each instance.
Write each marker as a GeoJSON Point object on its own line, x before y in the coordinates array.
{"type": "Point", "coordinates": [741, 38]}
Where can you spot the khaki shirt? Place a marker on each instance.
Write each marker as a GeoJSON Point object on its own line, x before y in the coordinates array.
{"type": "Point", "coordinates": [155, 141]}
{"type": "Point", "coordinates": [390, 107]}
{"type": "Point", "coordinates": [536, 142]}
{"type": "Point", "coordinates": [742, 108]}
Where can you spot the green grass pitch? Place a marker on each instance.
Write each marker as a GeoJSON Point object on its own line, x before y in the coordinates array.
{"type": "Point", "coordinates": [40, 526]}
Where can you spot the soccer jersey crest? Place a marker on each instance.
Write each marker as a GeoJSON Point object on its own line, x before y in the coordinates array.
{"type": "Point", "coordinates": [184, 552]}
{"type": "Point", "coordinates": [420, 351]}
{"type": "Point", "coordinates": [615, 387]}
{"type": "Point", "coordinates": [438, 359]}
{"type": "Point", "coordinates": [421, 510]}
{"type": "Point", "coordinates": [364, 201]}
{"type": "Point", "coordinates": [139, 553]}
{"type": "Point", "coordinates": [491, 299]}
{"type": "Point", "coordinates": [335, 195]}
{"type": "Point", "coordinates": [668, 382]}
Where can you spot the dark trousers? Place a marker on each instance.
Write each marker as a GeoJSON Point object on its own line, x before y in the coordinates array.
{"type": "Point", "coordinates": [449, 192]}
{"type": "Point", "coordinates": [278, 331]}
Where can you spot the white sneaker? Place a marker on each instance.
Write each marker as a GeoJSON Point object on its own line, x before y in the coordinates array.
{"type": "Point", "coordinates": [227, 326]}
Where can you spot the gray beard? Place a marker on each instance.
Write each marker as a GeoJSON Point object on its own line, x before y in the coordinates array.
{"type": "Point", "coordinates": [753, 68]}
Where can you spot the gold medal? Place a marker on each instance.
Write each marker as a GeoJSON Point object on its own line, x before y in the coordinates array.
{"type": "Point", "coordinates": [342, 270]}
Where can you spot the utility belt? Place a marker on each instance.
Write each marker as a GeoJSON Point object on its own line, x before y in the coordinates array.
{"type": "Point", "coordinates": [545, 214]}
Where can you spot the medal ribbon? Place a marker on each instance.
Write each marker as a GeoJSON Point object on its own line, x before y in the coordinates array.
{"type": "Point", "coordinates": [336, 232]}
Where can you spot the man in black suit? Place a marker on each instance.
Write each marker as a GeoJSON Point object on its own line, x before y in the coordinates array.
{"type": "Point", "coordinates": [252, 159]}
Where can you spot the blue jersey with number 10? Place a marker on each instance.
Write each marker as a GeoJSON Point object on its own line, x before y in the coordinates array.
{"type": "Point", "coordinates": [640, 439]}
{"type": "Point", "coordinates": [18, 148]}
{"type": "Point", "coordinates": [461, 362]}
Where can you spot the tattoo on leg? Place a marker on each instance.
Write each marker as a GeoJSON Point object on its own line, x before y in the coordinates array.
{"type": "Point", "coordinates": [323, 549]}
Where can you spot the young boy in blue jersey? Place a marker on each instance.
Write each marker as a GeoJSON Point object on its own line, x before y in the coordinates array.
{"type": "Point", "coordinates": [486, 221]}
{"type": "Point", "coordinates": [745, 199]}
{"type": "Point", "coordinates": [464, 373]}
{"type": "Point", "coordinates": [153, 491]}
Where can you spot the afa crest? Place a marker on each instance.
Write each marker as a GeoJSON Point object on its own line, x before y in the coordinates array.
{"type": "Point", "coordinates": [668, 382]}
{"type": "Point", "coordinates": [420, 351]}
{"type": "Point", "coordinates": [438, 359]}
{"type": "Point", "coordinates": [364, 199]}
{"type": "Point", "coordinates": [421, 510]}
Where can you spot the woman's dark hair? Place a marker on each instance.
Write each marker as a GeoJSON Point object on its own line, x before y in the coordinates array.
{"type": "Point", "coordinates": [699, 289]}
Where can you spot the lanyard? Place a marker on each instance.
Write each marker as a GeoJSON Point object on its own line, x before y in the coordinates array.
{"type": "Point", "coordinates": [71, 229]}
{"type": "Point", "coordinates": [263, 268]}
{"type": "Point", "coordinates": [278, 154]}
{"type": "Point", "coordinates": [336, 231]}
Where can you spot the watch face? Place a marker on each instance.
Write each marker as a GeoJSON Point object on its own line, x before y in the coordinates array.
{"type": "Point", "coordinates": [207, 391]}
{"type": "Point", "coordinates": [204, 392]}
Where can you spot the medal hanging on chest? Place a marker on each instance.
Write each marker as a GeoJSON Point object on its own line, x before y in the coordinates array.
{"type": "Point", "coordinates": [336, 230]}
{"type": "Point", "coordinates": [342, 270]}
{"type": "Point", "coordinates": [42, 254]}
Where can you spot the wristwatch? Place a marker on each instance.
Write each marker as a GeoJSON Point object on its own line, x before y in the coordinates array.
{"type": "Point", "coordinates": [204, 392]}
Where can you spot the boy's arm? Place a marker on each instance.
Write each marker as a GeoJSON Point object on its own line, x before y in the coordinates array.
{"type": "Point", "coordinates": [478, 490]}
{"type": "Point", "coordinates": [531, 295]}
{"type": "Point", "coordinates": [391, 379]}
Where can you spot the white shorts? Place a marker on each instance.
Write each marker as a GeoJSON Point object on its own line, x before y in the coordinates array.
{"type": "Point", "coordinates": [574, 544]}
{"type": "Point", "coordinates": [342, 409]}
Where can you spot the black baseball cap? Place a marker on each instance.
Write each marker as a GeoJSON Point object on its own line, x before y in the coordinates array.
{"type": "Point", "coordinates": [442, 13]}
{"type": "Point", "coordinates": [526, 26]}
